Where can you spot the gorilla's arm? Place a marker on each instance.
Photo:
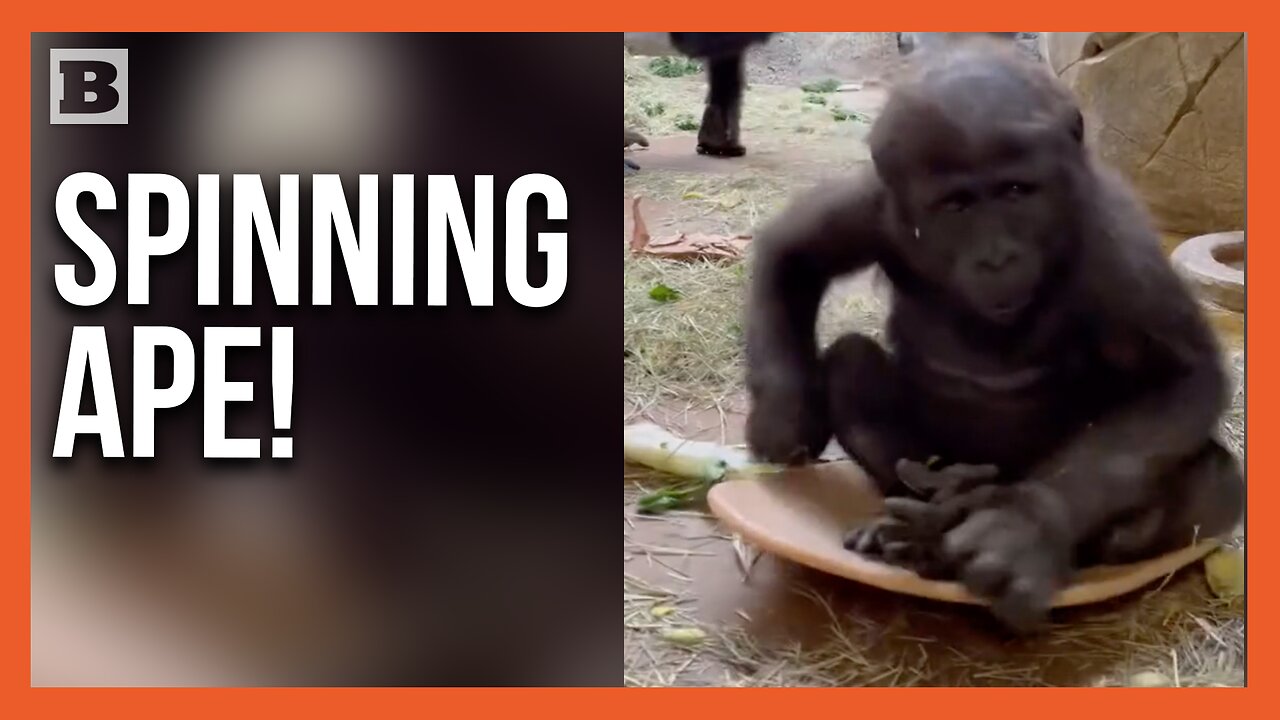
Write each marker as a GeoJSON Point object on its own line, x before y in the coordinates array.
{"type": "Point", "coordinates": [1153, 331]}
{"type": "Point", "coordinates": [823, 235]}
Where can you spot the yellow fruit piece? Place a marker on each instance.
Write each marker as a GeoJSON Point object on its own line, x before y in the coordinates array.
{"type": "Point", "coordinates": [684, 636]}
{"type": "Point", "coordinates": [1224, 570]}
{"type": "Point", "coordinates": [1150, 679]}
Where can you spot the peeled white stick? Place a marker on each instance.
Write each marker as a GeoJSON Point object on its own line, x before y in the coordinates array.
{"type": "Point", "coordinates": [652, 446]}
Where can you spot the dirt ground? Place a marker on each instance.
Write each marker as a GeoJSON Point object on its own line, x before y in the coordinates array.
{"type": "Point", "coordinates": [764, 621]}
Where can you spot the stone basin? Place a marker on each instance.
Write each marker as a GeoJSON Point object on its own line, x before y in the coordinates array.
{"type": "Point", "coordinates": [1214, 264]}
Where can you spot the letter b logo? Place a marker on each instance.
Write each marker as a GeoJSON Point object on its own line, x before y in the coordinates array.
{"type": "Point", "coordinates": [88, 87]}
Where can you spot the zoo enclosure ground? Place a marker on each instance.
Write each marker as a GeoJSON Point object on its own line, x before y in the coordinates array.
{"type": "Point", "coordinates": [768, 622]}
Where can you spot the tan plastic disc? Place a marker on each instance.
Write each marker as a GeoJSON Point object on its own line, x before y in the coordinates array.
{"type": "Point", "coordinates": [802, 514]}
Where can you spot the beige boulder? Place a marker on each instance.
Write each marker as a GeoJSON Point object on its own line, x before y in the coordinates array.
{"type": "Point", "coordinates": [1168, 110]}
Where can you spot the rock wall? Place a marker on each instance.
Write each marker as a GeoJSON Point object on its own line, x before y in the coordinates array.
{"type": "Point", "coordinates": [910, 41]}
{"type": "Point", "coordinates": [1168, 110]}
{"type": "Point", "coordinates": [791, 58]}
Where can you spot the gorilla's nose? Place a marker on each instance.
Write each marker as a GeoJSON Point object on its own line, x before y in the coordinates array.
{"type": "Point", "coordinates": [997, 257]}
{"type": "Point", "coordinates": [995, 263]}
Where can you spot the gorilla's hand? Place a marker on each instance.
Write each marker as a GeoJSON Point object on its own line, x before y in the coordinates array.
{"type": "Point", "coordinates": [940, 486]}
{"type": "Point", "coordinates": [788, 422]}
{"type": "Point", "coordinates": [1014, 552]}
{"type": "Point", "coordinates": [892, 540]}
{"type": "Point", "coordinates": [911, 533]}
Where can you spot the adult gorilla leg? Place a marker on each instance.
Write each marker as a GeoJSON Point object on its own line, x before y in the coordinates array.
{"type": "Point", "coordinates": [719, 133]}
{"type": "Point", "coordinates": [725, 56]}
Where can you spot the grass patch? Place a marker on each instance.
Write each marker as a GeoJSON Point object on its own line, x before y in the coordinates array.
{"type": "Point", "coordinates": [674, 67]}
{"type": "Point", "coordinates": [822, 86]}
{"type": "Point", "coordinates": [842, 115]}
{"type": "Point", "coordinates": [686, 349]}
{"type": "Point", "coordinates": [659, 106]}
{"type": "Point", "coordinates": [688, 354]}
{"type": "Point", "coordinates": [813, 99]}
{"type": "Point", "coordinates": [686, 122]}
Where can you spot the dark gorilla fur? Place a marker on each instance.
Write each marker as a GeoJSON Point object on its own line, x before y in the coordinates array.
{"type": "Point", "coordinates": [1036, 327]}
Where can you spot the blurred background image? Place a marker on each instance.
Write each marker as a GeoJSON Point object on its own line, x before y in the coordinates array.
{"type": "Point", "coordinates": [439, 522]}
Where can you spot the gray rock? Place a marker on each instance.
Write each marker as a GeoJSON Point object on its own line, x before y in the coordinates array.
{"type": "Point", "coordinates": [1167, 110]}
{"type": "Point", "coordinates": [656, 44]}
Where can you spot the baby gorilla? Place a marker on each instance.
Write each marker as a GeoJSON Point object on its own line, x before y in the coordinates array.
{"type": "Point", "coordinates": [1040, 342]}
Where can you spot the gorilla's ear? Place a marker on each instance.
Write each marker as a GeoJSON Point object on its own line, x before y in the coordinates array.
{"type": "Point", "coordinates": [888, 156]}
{"type": "Point", "coordinates": [896, 138]}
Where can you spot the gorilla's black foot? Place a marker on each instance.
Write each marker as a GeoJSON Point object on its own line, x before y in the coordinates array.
{"type": "Point", "coordinates": [718, 134]}
{"type": "Point", "coordinates": [729, 150]}
{"type": "Point", "coordinates": [629, 167]}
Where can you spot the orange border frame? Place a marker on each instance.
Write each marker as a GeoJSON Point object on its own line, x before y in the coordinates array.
{"type": "Point", "coordinates": [20, 700]}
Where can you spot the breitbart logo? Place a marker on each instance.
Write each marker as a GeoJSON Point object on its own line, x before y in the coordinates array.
{"type": "Point", "coordinates": [88, 86]}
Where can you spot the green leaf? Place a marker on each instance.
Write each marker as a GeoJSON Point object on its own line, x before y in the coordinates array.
{"type": "Point", "coordinates": [683, 495]}
{"type": "Point", "coordinates": [674, 67]}
{"type": "Point", "coordinates": [658, 502]}
{"type": "Point", "coordinates": [663, 293]}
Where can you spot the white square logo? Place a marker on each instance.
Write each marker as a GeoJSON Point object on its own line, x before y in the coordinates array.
{"type": "Point", "coordinates": [88, 86]}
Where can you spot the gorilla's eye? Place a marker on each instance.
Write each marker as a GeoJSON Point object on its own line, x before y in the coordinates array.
{"type": "Point", "coordinates": [958, 201]}
{"type": "Point", "coordinates": [1015, 190]}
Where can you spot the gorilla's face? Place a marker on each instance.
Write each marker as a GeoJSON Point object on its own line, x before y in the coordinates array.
{"type": "Point", "coordinates": [981, 158]}
{"type": "Point", "coordinates": [988, 231]}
